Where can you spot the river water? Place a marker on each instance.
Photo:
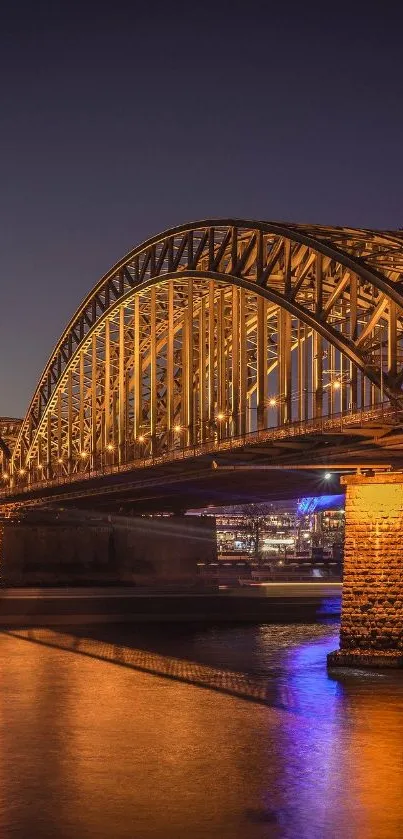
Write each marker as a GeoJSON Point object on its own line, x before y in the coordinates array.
{"type": "Point", "coordinates": [196, 732]}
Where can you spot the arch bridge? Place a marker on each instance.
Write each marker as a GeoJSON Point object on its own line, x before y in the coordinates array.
{"type": "Point", "coordinates": [211, 332]}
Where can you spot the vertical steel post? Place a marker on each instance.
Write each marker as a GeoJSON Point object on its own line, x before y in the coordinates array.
{"type": "Point", "coordinates": [94, 378]}
{"type": "Point", "coordinates": [107, 386]}
{"type": "Point", "coordinates": [153, 371]}
{"type": "Point", "coordinates": [285, 366]}
{"type": "Point", "coordinates": [59, 426]}
{"type": "Point", "coordinates": [317, 374]}
{"type": "Point", "coordinates": [353, 337]}
{"type": "Point", "coordinates": [137, 371]}
{"type": "Point", "coordinates": [235, 407]}
{"type": "Point", "coordinates": [211, 353]}
{"type": "Point", "coordinates": [243, 361]}
{"type": "Point", "coordinates": [317, 340]}
{"type": "Point", "coordinates": [261, 337]}
{"type": "Point", "coordinates": [121, 388]}
{"type": "Point", "coordinates": [170, 365]}
{"type": "Point", "coordinates": [187, 366]}
{"type": "Point", "coordinates": [221, 391]}
{"type": "Point", "coordinates": [190, 366]}
{"type": "Point", "coordinates": [81, 402]}
{"type": "Point", "coordinates": [301, 340]}
{"type": "Point", "coordinates": [392, 340]}
{"type": "Point", "coordinates": [48, 446]}
{"type": "Point", "coordinates": [308, 350]}
{"type": "Point", "coordinates": [343, 366]}
{"type": "Point", "coordinates": [332, 379]}
{"type": "Point", "coordinates": [202, 368]}
{"type": "Point", "coordinates": [70, 421]}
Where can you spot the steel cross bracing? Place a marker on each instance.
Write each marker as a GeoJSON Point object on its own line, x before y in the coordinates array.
{"type": "Point", "coordinates": [212, 331]}
{"type": "Point", "coordinates": [9, 430]}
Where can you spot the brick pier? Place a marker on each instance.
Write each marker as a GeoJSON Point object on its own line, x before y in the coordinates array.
{"type": "Point", "coordinates": [372, 607]}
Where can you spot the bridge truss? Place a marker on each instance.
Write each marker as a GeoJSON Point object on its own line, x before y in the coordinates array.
{"type": "Point", "coordinates": [214, 330]}
{"type": "Point", "coordinates": [9, 430]}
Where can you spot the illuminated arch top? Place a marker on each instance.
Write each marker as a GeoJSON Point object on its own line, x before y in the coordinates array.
{"type": "Point", "coordinates": [216, 327]}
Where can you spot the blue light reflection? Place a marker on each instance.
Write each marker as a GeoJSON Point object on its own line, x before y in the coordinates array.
{"type": "Point", "coordinates": [318, 503]}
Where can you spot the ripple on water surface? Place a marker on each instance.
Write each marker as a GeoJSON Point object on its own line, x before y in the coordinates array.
{"type": "Point", "coordinates": [90, 748]}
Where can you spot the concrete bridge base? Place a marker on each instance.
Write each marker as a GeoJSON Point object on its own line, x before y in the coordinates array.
{"type": "Point", "coordinates": [51, 548]}
{"type": "Point", "coordinates": [371, 632]}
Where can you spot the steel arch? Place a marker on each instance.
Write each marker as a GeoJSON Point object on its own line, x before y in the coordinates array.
{"type": "Point", "coordinates": [337, 289]}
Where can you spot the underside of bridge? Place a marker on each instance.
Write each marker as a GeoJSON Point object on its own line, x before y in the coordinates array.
{"type": "Point", "coordinates": [180, 488]}
{"type": "Point", "coordinates": [256, 471]}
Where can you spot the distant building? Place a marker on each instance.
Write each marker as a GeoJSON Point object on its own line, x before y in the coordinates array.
{"type": "Point", "coordinates": [283, 536]}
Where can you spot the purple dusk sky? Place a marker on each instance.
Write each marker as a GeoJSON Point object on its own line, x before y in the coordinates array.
{"type": "Point", "coordinates": [120, 120]}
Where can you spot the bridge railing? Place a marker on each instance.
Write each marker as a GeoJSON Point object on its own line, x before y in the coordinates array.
{"type": "Point", "coordinates": [339, 422]}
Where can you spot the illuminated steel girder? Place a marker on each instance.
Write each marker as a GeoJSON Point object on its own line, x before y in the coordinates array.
{"type": "Point", "coordinates": [215, 329]}
{"type": "Point", "coordinates": [9, 430]}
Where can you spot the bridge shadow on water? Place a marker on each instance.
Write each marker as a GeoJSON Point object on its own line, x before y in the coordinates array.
{"type": "Point", "coordinates": [146, 652]}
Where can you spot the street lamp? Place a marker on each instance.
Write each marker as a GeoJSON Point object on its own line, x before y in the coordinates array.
{"type": "Point", "coordinates": [179, 437]}
{"type": "Point", "coordinates": [84, 455]}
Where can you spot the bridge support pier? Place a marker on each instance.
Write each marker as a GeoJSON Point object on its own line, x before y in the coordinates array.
{"type": "Point", "coordinates": [371, 632]}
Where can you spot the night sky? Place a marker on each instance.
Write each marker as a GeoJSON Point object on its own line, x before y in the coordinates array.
{"type": "Point", "coordinates": [120, 120]}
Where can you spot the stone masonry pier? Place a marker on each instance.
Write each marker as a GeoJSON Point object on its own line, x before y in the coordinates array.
{"type": "Point", "coordinates": [372, 605]}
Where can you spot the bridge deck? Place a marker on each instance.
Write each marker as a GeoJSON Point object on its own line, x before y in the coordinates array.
{"type": "Point", "coordinates": [186, 478]}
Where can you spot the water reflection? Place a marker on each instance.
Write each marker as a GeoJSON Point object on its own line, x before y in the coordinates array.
{"type": "Point", "coordinates": [294, 688]}
{"type": "Point", "coordinates": [92, 749]}
{"type": "Point", "coordinates": [226, 681]}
